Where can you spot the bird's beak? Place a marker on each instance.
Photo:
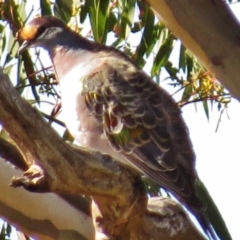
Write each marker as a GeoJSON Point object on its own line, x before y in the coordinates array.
{"type": "Point", "coordinates": [24, 46]}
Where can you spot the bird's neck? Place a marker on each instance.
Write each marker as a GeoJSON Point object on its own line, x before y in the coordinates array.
{"type": "Point", "coordinates": [76, 63]}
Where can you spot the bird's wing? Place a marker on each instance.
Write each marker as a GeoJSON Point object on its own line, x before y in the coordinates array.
{"type": "Point", "coordinates": [144, 124]}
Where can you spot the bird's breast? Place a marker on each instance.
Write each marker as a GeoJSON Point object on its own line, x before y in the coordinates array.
{"type": "Point", "coordinates": [74, 111]}
{"type": "Point", "coordinates": [86, 129]}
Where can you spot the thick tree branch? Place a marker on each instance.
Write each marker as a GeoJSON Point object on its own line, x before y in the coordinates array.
{"type": "Point", "coordinates": [210, 30]}
{"type": "Point", "coordinates": [10, 153]}
{"type": "Point", "coordinates": [120, 204]}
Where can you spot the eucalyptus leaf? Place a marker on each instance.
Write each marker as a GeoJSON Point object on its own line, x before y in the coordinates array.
{"type": "Point", "coordinates": [63, 9]}
{"type": "Point", "coordinates": [45, 8]}
{"type": "Point", "coordinates": [99, 15]}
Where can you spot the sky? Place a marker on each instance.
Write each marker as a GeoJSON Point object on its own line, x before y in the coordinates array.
{"type": "Point", "coordinates": [218, 158]}
{"type": "Point", "coordinates": [217, 154]}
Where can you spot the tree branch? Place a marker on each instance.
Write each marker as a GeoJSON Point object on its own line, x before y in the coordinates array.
{"type": "Point", "coordinates": [11, 154]}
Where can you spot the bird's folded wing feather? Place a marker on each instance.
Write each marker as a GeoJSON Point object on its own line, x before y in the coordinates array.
{"type": "Point", "coordinates": [143, 123]}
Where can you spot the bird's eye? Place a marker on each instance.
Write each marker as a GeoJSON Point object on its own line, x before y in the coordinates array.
{"type": "Point", "coordinates": [41, 30]}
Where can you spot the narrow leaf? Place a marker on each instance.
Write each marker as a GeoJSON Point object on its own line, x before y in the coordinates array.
{"type": "Point", "coordinates": [112, 21]}
{"type": "Point", "coordinates": [63, 9]}
{"type": "Point", "coordinates": [22, 10]}
{"type": "Point", "coordinates": [83, 13]}
{"type": "Point", "coordinates": [187, 93]}
{"type": "Point", "coordinates": [206, 109]}
{"type": "Point", "coordinates": [182, 58]}
{"type": "Point", "coordinates": [146, 41]}
{"type": "Point", "coordinates": [45, 8]}
{"type": "Point", "coordinates": [162, 55]}
{"type": "Point", "coordinates": [98, 13]}
{"type": "Point", "coordinates": [190, 63]}
{"type": "Point", "coordinates": [127, 18]}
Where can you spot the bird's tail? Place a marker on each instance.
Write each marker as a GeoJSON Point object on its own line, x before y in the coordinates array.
{"type": "Point", "coordinates": [210, 218]}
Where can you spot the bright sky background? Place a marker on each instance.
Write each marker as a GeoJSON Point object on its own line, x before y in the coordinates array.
{"type": "Point", "coordinates": [218, 155]}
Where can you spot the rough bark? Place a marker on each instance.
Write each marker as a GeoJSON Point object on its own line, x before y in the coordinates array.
{"type": "Point", "coordinates": [120, 207]}
{"type": "Point", "coordinates": [210, 30]}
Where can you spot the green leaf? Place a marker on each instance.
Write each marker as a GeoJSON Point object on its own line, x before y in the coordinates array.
{"type": "Point", "coordinates": [137, 26]}
{"type": "Point", "coordinates": [83, 13]}
{"type": "Point", "coordinates": [172, 71]}
{"type": "Point", "coordinates": [127, 17]}
{"type": "Point", "coordinates": [3, 39]}
{"type": "Point", "coordinates": [154, 38]}
{"type": "Point", "coordinates": [206, 109]}
{"type": "Point", "coordinates": [12, 49]}
{"type": "Point", "coordinates": [8, 230]}
{"type": "Point", "coordinates": [112, 21]}
{"type": "Point", "coordinates": [22, 10]}
{"type": "Point", "coordinates": [45, 8]}
{"type": "Point", "coordinates": [117, 42]}
{"type": "Point", "coordinates": [190, 63]}
{"type": "Point", "coordinates": [187, 93]}
{"type": "Point", "coordinates": [163, 54]}
{"type": "Point", "coordinates": [2, 28]}
{"type": "Point", "coordinates": [7, 70]}
{"type": "Point", "coordinates": [147, 37]}
{"type": "Point", "coordinates": [63, 9]}
{"type": "Point", "coordinates": [182, 58]}
{"type": "Point", "coordinates": [31, 101]}
{"type": "Point", "coordinates": [99, 13]}
{"type": "Point", "coordinates": [29, 68]}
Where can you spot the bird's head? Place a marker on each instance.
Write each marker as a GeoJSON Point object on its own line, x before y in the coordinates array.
{"type": "Point", "coordinates": [41, 32]}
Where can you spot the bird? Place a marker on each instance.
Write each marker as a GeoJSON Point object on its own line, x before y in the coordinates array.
{"type": "Point", "coordinates": [112, 106]}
